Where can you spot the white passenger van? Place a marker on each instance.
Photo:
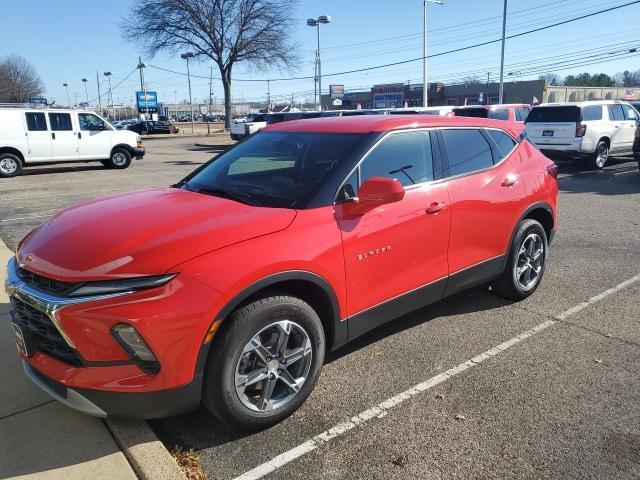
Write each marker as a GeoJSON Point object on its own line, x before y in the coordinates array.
{"type": "Point", "coordinates": [30, 136]}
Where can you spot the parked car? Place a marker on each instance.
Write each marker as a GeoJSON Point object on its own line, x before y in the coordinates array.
{"type": "Point", "coordinates": [151, 127]}
{"type": "Point", "coordinates": [37, 136]}
{"type": "Point", "coordinates": [512, 112]}
{"type": "Point", "coordinates": [443, 111]}
{"type": "Point", "coordinates": [589, 130]}
{"type": "Point", "coordinates": [240, 130]}
{"type": "Point", "coordinates": [237, 280]}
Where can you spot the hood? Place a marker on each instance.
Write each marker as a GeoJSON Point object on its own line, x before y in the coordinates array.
{"type": "Point", "coordinates": [145, 232]}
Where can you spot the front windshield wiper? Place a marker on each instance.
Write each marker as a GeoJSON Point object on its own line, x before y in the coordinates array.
{"type": "Point", "coordinates": [228, 193]}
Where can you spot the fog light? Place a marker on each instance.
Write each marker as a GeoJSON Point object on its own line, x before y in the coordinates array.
{"type": "Point", "coordinates": [129, 338]}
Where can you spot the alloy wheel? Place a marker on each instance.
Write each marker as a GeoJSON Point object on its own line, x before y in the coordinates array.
{"type": "Point", "coordinates": [119, 159]}
{"type": "Point", "coordinates": [8, 166]}
{"type": "Point", "coordinates": [531, 257]}
{"type": "Point", "coordinates": [273, 366]}
{"type": "Point", "coordinates": [602, 155]}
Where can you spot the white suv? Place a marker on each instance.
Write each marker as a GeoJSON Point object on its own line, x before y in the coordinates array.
{"type": "Point", "coordinates": [592, 130]}
{"type": "Point", "coordinates": [35, 136]}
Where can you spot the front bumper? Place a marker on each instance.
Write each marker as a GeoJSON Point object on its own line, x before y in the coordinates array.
{"type": "Point", "coordinates": [138, 153]}
{"type": "Point", "coordinates": [141, 405]}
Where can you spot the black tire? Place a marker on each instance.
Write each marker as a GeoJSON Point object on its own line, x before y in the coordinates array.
{"type": "Point", "coordinates": [219, 393]}
{"type": "Point", "coordinates": [10, 165]}
{"type": "Point", "coordinates": [508, 285]}
{"type": "Point", "coordinates": [120, 158]}
{"type": "Point", "coordinates": [599, 158]}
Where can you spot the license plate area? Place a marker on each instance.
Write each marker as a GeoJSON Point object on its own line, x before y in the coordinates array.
{"type": "Point", "coordinates": [547, 133]}
{"type": "Point", "coordinates": [24, 340]}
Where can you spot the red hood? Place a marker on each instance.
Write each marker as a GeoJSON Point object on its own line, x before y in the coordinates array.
{"type": "Point", "coordinates": [144, 232]}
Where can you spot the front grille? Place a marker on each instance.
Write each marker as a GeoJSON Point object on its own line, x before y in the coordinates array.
{"type": "Point", "coordinates": [44, 284]}
{"type": "Point", "coordinates": [46, 336]}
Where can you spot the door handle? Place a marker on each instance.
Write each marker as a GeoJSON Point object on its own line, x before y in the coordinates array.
{"type": "Point", "coordinates": [53, 135]}
{"type": "Point", "coordinates": [435, 207]}
{"type": "Point", "coordinates": [510, 180]}
{"type": "Point", "coordinates": [79, 135]}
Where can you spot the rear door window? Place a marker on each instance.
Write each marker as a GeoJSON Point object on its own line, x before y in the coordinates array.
{"type": "Point", "coordinates": [36, 122]}
{"type": "Point", "coordinates": [404, 156]}
{"type": "Point", "coordinates": [504, 142]}
{"type": "Point", "coordinates": [554, 114]}
{"type": "Point", "coordinates": [467, 151]}
{"type": "Point", "coordinates": [616, 113]}
{"type": "Point", "coordinates": [522, 114]}
{"type": "Point", "coordinates": [498, 114]}
{"type": "Point", "coordinates": [592, 112]}
{"type": "Point", "coordinates": [60, 121]}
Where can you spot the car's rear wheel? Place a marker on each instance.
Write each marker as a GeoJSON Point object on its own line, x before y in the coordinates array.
{"type": "Point", "coordinates": [120, 158]}
{"type": "Point", "coordinates": [525, 263]}
{"type": "Point", "coordinates": [599, 158]}
{"type": "Point", "coordinates": [10, 165]}
{"type": "Point", "coordinates": [264, 362]}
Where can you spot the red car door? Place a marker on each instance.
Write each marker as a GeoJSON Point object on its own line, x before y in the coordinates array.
{"type": "Point", "coordinates": [396, 254]}
{"type": "Point", "coordinates": [486, 192]}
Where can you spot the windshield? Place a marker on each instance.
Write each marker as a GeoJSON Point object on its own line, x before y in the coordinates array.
{"type": "Point", "coordinates": [275, 169]}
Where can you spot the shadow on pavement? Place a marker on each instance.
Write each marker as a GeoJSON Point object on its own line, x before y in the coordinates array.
{"type": "Point", "coordinates": [618, 178]}
{"type": "Point", "coordinates": [60, 169]}
{"type": "Point", "coordinates": [200, 430]}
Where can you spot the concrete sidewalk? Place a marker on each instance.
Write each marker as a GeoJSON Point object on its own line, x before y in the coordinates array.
{"type": "Point", "coordinates": [40, 438]}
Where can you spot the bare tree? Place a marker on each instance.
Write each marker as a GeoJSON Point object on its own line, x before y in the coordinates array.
{"type": "Point", "coordinates": [552, 78]}
{"type": "Point", "coordinates": [257, 32]}
{"type": "Point", "coordinates": [18, 80]}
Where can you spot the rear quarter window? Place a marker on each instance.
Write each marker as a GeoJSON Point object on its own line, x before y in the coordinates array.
{"type": "Point", "coordinates": [554, 114]}
{"type": "Point", "coordinates": [504, 142]}
{"type": "Point", "coordinates": [592, 112]}
{"type": "Point", "coordinates": [498, 114]}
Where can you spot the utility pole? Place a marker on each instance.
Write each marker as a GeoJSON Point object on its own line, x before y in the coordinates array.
{"type": "Point", "coordinates": [268, 96]}
{"type": "Point", "coordinates": [504, 30]}
{"type": "Point", "coordinates": [99, 100]}
{"type": "Point", "coordinates": [210, 94]}
{"type": "Point", "coordinates": [141, 66]}
{"type": "Point", "coordinates": [487, 100]}
{"type": "Point", "coordinates": [187, 56]}
{"type": "Point", "coordinates": [425, 83]}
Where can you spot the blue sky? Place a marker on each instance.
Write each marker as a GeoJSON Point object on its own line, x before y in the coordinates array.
{"type": "Point", "coordinates": [70, 39]}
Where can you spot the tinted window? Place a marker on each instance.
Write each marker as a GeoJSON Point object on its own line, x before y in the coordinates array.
{"type": "Point", "coordinates": [592, 112]}
{"type": "Point", "coordinates": [403, 156]}
{"type": "Point", "coordinates": [88, 121]}
{"type": "Point", "coordinates": [498, 114]}
{"type": "Point", "coordinates": [554, 114]}
{"type": "Point", "coordinates": [467, 151]}
{"type": "Point", "coordinates": [36, 121]}
{"type": "Point", "coordinates": [471, 112]}
{"type": "Point", "coordinates": [629, 112]}
{"type": "Point", "coordinates": [60, 121]}
{"type": "Point", "coordinates": [615, 112]}
{"type": "Point", "coordinates": [275, 169]}
{"type": "Point", "coordinates": [505, 142]}
{"type": "Point", "coordinates": [522, 114]}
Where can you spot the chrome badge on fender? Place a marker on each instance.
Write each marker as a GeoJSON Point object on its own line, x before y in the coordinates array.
{"type": "Point", "coordinates": [377, 251]}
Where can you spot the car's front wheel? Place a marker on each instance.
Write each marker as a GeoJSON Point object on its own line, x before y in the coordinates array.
{"type": "Point", "coordinates": [10, 165]}
{"type": "Point", "coordinates": [526, 262]}
{"type": "Point", "coordinates": [120, 158]}
{"type": "Point", "coordinates": [264, 362]}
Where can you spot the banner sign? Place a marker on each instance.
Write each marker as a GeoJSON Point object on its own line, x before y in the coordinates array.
{"type": "Point", "coordinates": [388, 96]}
{"type": "Point", "coordinates": [336, 91]}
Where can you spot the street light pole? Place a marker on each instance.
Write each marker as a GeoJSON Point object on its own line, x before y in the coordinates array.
{"type": "Point", "coordinates": [110, 94]}
{"type": "Point", "coordinates": [187, 56]}
{"type": "Point", "coordinates": [99, 99]}
{"type": "Point", "coordinates": [66, 87]}
{"type": "Point", "coordinates": [504, 30]}
{"type": "Point", "coordinates": [86, 90]}
{"type": "Point", "coordinates": [425, 83]}
{"type": "Point", "coordinates": [315, 22]}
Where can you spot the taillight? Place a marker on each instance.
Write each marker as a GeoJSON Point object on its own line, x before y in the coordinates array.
{"type": "Point", "coordinates": [581, 129]}
{"type": "Point", "coordinates": [552, 170]}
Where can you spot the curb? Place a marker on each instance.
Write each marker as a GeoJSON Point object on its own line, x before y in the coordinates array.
{"type": "Point", "coordinates": [179, 135]}
{"type": "Point", "coordinates": [144, 451]}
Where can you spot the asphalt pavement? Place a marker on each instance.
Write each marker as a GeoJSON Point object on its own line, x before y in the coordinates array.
{"type": "Point", "coordinates": [558, 401]}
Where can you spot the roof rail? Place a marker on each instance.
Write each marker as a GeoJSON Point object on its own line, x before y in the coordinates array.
{"type": "Point", "coordinates": [39, 106]}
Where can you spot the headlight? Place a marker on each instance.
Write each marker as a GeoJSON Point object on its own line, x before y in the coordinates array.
{"type": "Point", "coordinates": [119, 286]}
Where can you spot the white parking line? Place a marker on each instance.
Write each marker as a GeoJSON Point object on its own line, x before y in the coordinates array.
{"type": "Point", "coordinates": [383, 408]}
{"type": "Point", "coordinates": [26, 217]}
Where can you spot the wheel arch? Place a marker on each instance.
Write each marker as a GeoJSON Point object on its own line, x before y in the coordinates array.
{"type": "Point", "coordinates": [542, 213]}
{"type": "Point", "coordinates": [13, 151]}
{"type": "Point", "coordinates": [309, 287]}
{"type": "Point", "coordinates": [604, 139]}
{"type": "Point", "coordinates": [125, 146]}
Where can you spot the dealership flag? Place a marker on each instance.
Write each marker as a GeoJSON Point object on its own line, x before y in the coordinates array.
{"type": "Point", "coordinates": [535, 101]}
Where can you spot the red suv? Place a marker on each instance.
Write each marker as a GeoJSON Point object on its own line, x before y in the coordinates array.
{"type": "Point", "coordinates": [229, 287]}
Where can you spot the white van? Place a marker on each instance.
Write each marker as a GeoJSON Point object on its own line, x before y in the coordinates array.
{"type": "Point", "coordinates": [31, 136]}
{"type": "Point", "coordinates": [591, 130]}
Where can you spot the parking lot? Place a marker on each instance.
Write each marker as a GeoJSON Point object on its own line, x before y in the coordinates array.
{"type": "Point", "coordinates": [558, 398]}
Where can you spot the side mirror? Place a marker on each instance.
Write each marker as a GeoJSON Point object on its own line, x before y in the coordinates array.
{"type": "Point", "coordinates": [374, 192]}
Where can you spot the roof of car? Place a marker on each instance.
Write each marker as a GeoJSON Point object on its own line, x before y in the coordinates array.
{"type": "Point", "coordinates": [383, 123]}
{"type": "Point", "coordinates": [581, 104]}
